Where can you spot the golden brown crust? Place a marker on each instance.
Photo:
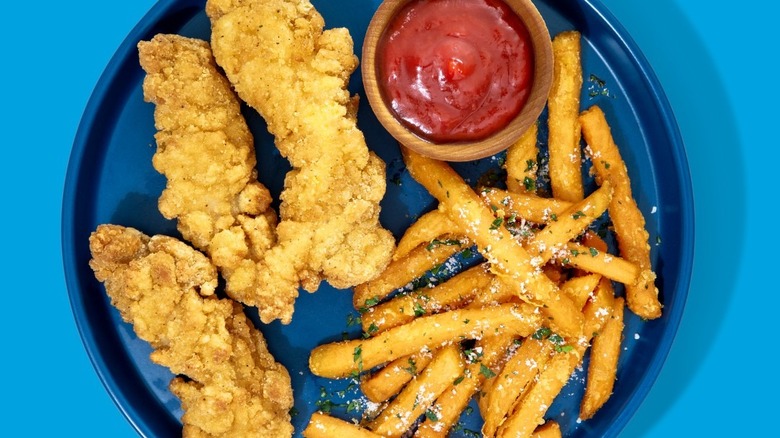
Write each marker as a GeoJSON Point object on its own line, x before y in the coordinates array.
{"type": "Point", "coordinates": [233, 386]}
{"type": "Point", "coordinates": [282, 63]}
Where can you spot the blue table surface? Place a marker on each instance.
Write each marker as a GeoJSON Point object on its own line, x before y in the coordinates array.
{"type": "Point", "coordinates": [716, 65]}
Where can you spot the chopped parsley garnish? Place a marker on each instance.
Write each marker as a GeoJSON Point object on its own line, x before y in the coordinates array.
{"type": "Point", "coordinates": [353, 320]}
{"type": "Point", "coordinates": [357, 357]}
{"type": "Point", "coordinates": [458, 381]}
{"type": "Point", "coordinates": [593, 251]}
{"type": "Point", "coordinates": [578, 215]}
{"type": "Point", "coordinates": [485, 371]}
{"type": "Point", "coordinates": [600, 82]}
{"type": "Point", "coordinates": [412, 368]}
{"type": "Point", "coordinates": [418, 310]}
{"type": "Point", "coordinates": [436, 242]}
{"type": "Point", "coordinates": [529, 165]}
{"type": "Point", "coordinates": [371, 331]}
{"type": "Point", "coordinates": [431, 416]}
{"type": "Point", "coordinates": [496, 223]}
{"type": "Point", "coordinates": [542, 333]}
{"type": "Point", "coordinates": [529, 184]}
{"type": "Point", "coordinates": [324, 405]}
{"type": "Point", "coordinates": [371, 302]}
{"type": "Point", "coordinates": [563, 348]}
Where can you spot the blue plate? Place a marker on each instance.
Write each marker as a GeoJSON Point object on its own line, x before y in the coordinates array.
{"type": "Point", "coordinates": [110, 179]}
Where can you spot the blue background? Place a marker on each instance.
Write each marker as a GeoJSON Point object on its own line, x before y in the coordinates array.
{"type": "Point", "coordinates": [716, 65]}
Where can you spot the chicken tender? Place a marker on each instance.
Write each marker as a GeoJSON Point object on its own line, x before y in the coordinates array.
{"type": "Point", "coordinates": [282, 63]}
{"type": "Point", "coordinates": [229, 384]}
{"type": "Point", "coordinates": [206, 152]}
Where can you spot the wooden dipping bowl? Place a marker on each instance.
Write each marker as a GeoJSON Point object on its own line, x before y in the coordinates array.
{"type": "Point", "coordinates": [465, 150]}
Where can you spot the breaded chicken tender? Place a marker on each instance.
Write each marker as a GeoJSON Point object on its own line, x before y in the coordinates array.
{"type": "Point", "coordinates": [205, 150]}
{"type": "Point", "coordinates": [229, 384]}
{"type": "Point", "coordinates": [282, 63]}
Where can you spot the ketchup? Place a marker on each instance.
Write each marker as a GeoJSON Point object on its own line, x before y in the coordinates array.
{"type": "Point", "coordinates": [455, 70]}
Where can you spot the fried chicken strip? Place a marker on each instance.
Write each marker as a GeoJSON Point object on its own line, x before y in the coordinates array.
{"type": "Point", "coordinates": [206, 151]}
{"type": "Point", "coordinates": [282, 63]}
{"type": "Point", "coordinates": [229, 384]}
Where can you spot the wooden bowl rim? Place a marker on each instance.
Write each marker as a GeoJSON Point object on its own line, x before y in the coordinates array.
{"type": "Point", "coordinates": [467, 150]}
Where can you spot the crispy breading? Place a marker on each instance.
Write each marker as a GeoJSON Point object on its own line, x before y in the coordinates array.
{"type": "Point", "coordinates": [229, 384]}
{"type": "Point", "coordinates": [206, 152]}
{"type": "Point", "coordinates": [282, 63]}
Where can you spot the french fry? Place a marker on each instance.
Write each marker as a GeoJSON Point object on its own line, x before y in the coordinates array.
{"type": "Point", "coordinates": [602, 369]}
{"type": "Point", "coordinates": [400, 272]}
{"type": "Point", "coordinates": [455, 398]}
{"type": "Point", "coordinates": [531, 407]}
{"type": "Point", "coordinates": [518, 372]}
{"type": "Point", "coordinates": [592, 240]}
{"type": "Point", "coordinates": [526, 363]}
{"type": "Point", "coordinates": [550, 429]}
{"type": "Point", "coordinates": [592, 260]}
{"type": "Point", "coordinates": [573, 221]}
{"type": "Point", "coordinates": [324, 426]}
{"type": "Point", "coordinates": [425, 230]}
{"type": "Point", "coordinates": [539, 396]}
{"type": "Point", "coordinates": [521, 162]}
{"type": "Point", "coordinates": [580, 288]}
{"type": "Point", "coordinates": [498, 292]}
{"type": "Point", "coordinates": [416, 397]}
{"type": "Point", "coordinates": [564, 128]}
{"type": "Point", "coordinates": [505, 254]}
{"type": "Point", "coordinates": [455, 292]}
{"type": "Point", "coordinates": [389, 381]}
{"type": "Point", "coordinates": [345, 358]}
{"type": "Point", "coordinates": [629, 223]}
{"type": "Point", "coordinates": [525, 206]}
{"type": "Point", "coordinates": [599, 308]}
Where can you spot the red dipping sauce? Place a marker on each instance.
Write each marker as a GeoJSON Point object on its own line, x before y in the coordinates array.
{"type": "Point", "coordinates": [455, 70]}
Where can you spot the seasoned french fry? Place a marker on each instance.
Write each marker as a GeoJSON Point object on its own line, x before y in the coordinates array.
{"type": "Point", "coordinates": [499, 398]}
{"type": "Point", "coordinates": [455, 398]}
{"type": "Point", "coordinates": [599, 262]}
{"type": "Point", "coordinates": [518, 372]}
{"type": "Point", "coordinates": [521, 162]}
{"type": "Point", "coordinates": [455, 292]}
{"type": "Point", "coordinates": [400, 272]}
{"type": "Point", "coordinates": [573, 221]}
{"type": "Point", "coordinates": [629, 223]}
{"type": "Point", "coordinates": [592, 240]}
{"type": "Point", "coordinates": [530, 409]}
{"type": "Point", "coordinates": [416, 397]}
{"type": "Point", "coordinates": [426, 230]}
{"type": "Point", "coordinates": [599, 308]}
{"type": "Point", "coordinates": [496, 293]}
{"type": "Point", "coordinates": [342, 359]}
{"type": "Point", "coordinates": [389, 381]}
{"type": "Point", "coordinates": [580, 288]}
{"type": "Point", "coordinates": [550, 429]}
{"type": "Point", "coordinates": [324, 426]}
{"type": "Point", "coordinates": [505, 254]}
{"type": "Point", "coordinates": [539, 396]}
{"type": "Point", "coordinates": [525, 206]}
{"type": "Point", "coordinates": [564, 129]}
{"type": "Point", "coordinates": [602, 369]}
